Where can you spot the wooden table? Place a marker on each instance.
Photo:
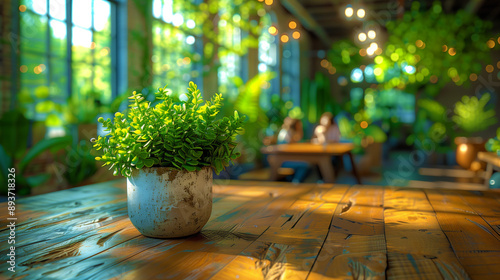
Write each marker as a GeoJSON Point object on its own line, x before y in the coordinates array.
{"type": "Point", "coordinates": [492, 163]}
{"type": "Point", "coordinates": [312, 153]}
{"type": "Point", "coordinates": [264, 230]}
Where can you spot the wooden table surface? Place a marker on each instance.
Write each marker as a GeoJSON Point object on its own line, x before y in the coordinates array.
{"type": "Point", "coordinates": [262, 230]}
{"type": "Point", "coordinates": [309, 148]}
{"type": "Point", "coordinates": [312, 153]}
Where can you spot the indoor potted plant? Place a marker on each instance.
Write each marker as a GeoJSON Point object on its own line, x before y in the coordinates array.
{"type": "Point", "coordinates": [472, 115]}
{"type": "Point", "coordinates": [167, 153]}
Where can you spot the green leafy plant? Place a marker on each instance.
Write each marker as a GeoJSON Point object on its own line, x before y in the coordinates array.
{"type": "Point", "coordinates": [185, 135]}
{"type": "Point", "coordinates": [432, 125]}
{"type": "Point", "coordinates": [81, 164]}
{"type": "Point", "coordinates": [471, 114]}
{"type": "Point", "coordinates": [493, 144]}
{"type": "Point", "coordinates": [247, 102]}
{"type": "Point", "coordinates": [13, 151]}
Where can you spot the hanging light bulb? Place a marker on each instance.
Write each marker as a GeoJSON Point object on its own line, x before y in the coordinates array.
{"type": "Point", "coordinates": [349, 11]}
{"type": "Point", "coordinates": [362, 37]}
{"type": "Point", "coordinates": [372, 34]}
{"type": "Point", "coordinates": [361, 13]}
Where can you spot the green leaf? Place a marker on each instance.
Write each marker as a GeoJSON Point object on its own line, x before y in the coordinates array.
{"type": "Point", "coordinates": [189, 167]}
{"type": "Point", "coordinates": [149, 162]}
{"type": "Point", "coordinates": [53, 144]}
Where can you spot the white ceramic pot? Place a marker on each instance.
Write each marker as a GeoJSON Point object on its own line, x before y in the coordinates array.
{"type": "Point", "coordinates": [167, 203]}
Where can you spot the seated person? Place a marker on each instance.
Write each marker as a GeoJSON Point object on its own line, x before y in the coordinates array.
{"type": "Point", "coordinates": [327, 131]}
{"type": "Point", "coordinates": [292, 132]}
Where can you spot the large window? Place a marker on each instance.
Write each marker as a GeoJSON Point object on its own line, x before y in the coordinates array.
{"type": "Point", "coordinates": [290, 72]}
{"type": "Point", "coordinates": [65, 52]}
{"type": "Point", "coordinates": [176, 48]}
{"type": "Point", "coordinates": [230, 50]}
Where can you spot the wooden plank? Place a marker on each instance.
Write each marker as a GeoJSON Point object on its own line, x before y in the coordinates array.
{"type": "Point", "coordinates": [288, 248]}
{"type": "Point", "coordinates": [217, 244]}
{"type": "Point", "coordinates": [355, 245]}
{"type": "Point", "coordinates": [417, 248]}
{"type": "Point", "coordinates": [85, 253]}
{"type": "Point", "coordinates": [46, 206]}
{"type": "Point", "coordinates": [486, 205]}
{"type": "Point", "coordinates": [475, 243]}
{"type": "Point", "coordinates": [65, 227]}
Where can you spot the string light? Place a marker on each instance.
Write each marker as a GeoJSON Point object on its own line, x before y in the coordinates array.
{"type": "Point", "coordinates": [452, 51]}
{"type": "Point", "coordinates": [445, 48]}
{"type": "Point", "coordinates": [361, 13]}
{"type": "Point", "coordinates": [292, 24]}
{"type": "Point", "coordinates": [296, 35]}
{"type": "Point", "coordinates": [372, 34]}
{"type": "Point", "coordinates": [490, 43]}
{"type": "Point", "coordinates": [272, 30]}
{"type": "Point", "coordinates": [473, 77]}
{"type": "Point", "coordinates": [268, 2]}
{"type": "Point", "coordinates": [284, 38]}
{"type": "Point", "coordinates": [489, 68]}
{"type": "Point", "coordinates": [349, 12]}
{"type": "Point", "coordinates": [324, 63]}
{"type": "Point", "coordinates": [362, 37]}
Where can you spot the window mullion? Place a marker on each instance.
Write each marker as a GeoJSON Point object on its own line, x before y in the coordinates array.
{"type": "Point", "coordinates": [92, 50]}
{"type": "Point", "coordinates": [47, 47]}
{"type": "Point", "coordinates": [15, 39]}
{"type": "Point", "coordinates": [69, 51]}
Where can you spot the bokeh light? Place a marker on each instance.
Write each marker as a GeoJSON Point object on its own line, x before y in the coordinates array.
{"type": "Point", "coordinates": [284, 38]}
{"type": "Point", "coordinates": [272, 30]}
{"type": "Point", "coordinates": [490, 43]}
{"type": "Point", "coordinates": [361, 13]}
{"type": "Point", "coordinates": [292, 24]}
{"type": "Point", "coordinates": [372, 34]}
{"type": "Point", "coordinates": [349, 11]}
{"type": "Point", "coordinates": [362, 37]}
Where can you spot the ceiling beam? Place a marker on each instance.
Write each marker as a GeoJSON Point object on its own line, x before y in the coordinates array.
{"type": "Point", "coordinates": [296, 9]}
{"type": "Point", "coordinates": [473, 6]}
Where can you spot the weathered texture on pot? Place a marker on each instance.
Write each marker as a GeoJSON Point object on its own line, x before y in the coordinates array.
{"type": "Point", "coordinates": [167, 203]}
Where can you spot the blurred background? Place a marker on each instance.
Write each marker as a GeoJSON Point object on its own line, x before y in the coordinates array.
{"type": "Point", "coordinates": [411, 84]}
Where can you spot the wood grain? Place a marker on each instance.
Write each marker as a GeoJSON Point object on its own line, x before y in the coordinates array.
{"type": "Point", "coordinates": [355, 245]}
{"type": "Point", "coordinates": [475, 243]}
{"type": "Point", "coordinates": [417, 248]}
{"type": "Point", "coordinates": [264, 230]}
{"type": "Point", "coordinates": [289, 247]}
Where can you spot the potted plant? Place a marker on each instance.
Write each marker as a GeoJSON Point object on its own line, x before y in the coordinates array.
{"type": "Point", "coordinates": [472, 115]}
{"type": "Point", "coordinates": [167, 152]}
